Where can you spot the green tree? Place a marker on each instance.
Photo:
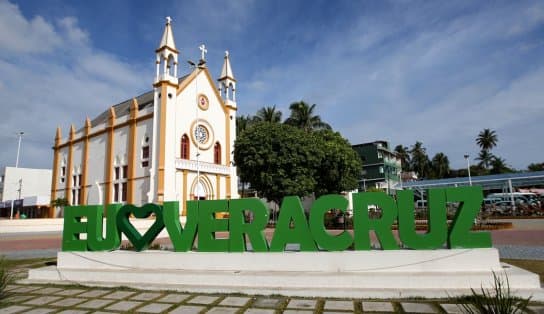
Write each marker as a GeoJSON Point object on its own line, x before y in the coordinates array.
{"type": "Point", "coordinates": [485, 158]}
{"type": "Point", "coordinates": [487, 139]}
{"type": "Point", "coordinates": [340, 167]}
{"type": "Point", "coordinates": [498, 165]}
{"type": "Point", "coordinates": [277, 160]}
{"type": "Point", "coordinates": [242, 122]}
{"type": "Point", "coordinates": [419, 160]}
{"type": "Point", "coordinates": [268, 114]}
{"type": "Point", "coordinates": [536, 167]}
{"type": "Point", "coordinates": [404, 155]}
{"type": "Point", "coordinates": [440, 166]}
{"type": "Point", "coordinates": [303, 117]}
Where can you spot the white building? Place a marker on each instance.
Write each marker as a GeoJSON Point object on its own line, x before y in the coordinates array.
{"type": "Point", "coordinates": [32, 186]}
{"type": "Point", "coordinates": [174, 143]}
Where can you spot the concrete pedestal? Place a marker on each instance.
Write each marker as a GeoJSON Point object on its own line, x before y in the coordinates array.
{"type": "Point", "coordinates": [350, 274]}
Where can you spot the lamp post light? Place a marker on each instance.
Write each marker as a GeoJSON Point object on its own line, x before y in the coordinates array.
{"type": "Point", "coordinates": [20, 135]}
{"type": "Point", "coordinates": [468, 169]}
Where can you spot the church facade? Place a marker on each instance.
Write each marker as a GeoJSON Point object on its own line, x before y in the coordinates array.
{"type": "Point", "coordinates": [174, 143]}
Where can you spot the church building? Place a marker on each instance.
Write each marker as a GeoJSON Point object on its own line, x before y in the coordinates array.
{"type": "Point", "coordinates": [174, 143]}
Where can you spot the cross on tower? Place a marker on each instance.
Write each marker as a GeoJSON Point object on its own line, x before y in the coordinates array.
{"type": "Point", "coordinates": [168, 20]}
{"type": "Point", "coordinates": [203, 52]}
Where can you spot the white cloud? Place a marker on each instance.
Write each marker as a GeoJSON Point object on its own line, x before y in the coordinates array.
{"type": "Point", "coordinates": [19, 35]}
{"type": "Point", "coordinates": [69, 80]}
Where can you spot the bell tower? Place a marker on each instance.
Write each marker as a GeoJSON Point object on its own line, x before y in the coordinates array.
{"type": "Point", "coordinates": [165, 85]}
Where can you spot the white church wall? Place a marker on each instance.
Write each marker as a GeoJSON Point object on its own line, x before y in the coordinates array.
{"type": "Point", "coordinates": [143, 129]}
{"type": "Point", "coordinates": [96, 171]}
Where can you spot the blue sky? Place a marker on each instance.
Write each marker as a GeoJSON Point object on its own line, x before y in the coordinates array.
{"type": "Point", "coordinates": [404, 71]}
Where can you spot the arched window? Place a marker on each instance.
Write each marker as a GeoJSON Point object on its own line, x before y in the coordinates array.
{"type": "Point", "coordinates": [184, 147]}
{"type": "Point", "coordinates": [217, 153]}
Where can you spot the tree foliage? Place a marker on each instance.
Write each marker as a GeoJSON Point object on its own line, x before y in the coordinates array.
{"type": "Point", "coordinates": [440, 166]}
{"type": "Point", "coordinates": [487, 139]}
{"type": "Point", "coordinates": [536, 166]}
{"type": "Point", "coordinates": [404, 155]}
{"type": "Point", "coordinates": [268, 114]}
{"type": "Point", "coordinates": [303, 117]}
{"type": "Point", "coordinates": [340, 168]}
{"type": "Point", "coordinates": [419, 160]}
{"type": "Point", "coordinates": [277, 160]}
{"type": "Point", "coordinates": [280, 159]}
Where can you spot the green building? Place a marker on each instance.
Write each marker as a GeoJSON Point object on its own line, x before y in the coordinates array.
{"type": "Point", "coordinates": [381, 166]}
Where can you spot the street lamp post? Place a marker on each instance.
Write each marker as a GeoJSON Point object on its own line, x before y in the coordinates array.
{"type": "Point", "coordinates": [20, 135]}
{"type": "Point", "coordinates": [468, 169]}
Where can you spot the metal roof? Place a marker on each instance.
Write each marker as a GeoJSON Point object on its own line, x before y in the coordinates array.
{"type": "Point", "coordinates": [495, 181]}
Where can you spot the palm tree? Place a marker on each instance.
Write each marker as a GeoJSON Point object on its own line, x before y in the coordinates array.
{"type": "Point", "coordinates": [440, 165]}
{"type": "Point", "coordinates": [498, 165]}
{"type": "Point", "coordinates": [242, 122]}
{"type": "Point", "coordinates": [420, 160]}
{"type": "Point", "coordinates": [487, 139]}
{"type": "Point", "coordinates": [485, 158]}
{"type": "Point", "coordinates": [303, 117]}
{"type": "Point", "coordinates": [404, 155]}
{"type": "Point", "coordinates": [268, 114]}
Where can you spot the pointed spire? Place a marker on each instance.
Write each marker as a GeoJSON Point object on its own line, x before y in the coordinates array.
{"type": "Point", "coordinates": [226, 71]}
{"type": "Point", "coordinates": [134, 109]}
{"type": "Point", "coordinates": [58, 136]}
{"type": "Point", "coordinates": [72, 132]}
{"type": "Point", "coordinates": [167, 40]}
{"type": "Point", "coordinates": [87, 122]}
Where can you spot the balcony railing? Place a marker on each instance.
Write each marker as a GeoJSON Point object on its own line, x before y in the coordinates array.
{"type": "Point", "coordinates": [184, 164]}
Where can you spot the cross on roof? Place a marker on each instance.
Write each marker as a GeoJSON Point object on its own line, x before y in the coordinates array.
{"type": "Point", "coordinates": [203, 52]}
{"type": "Point", "coordinates": [168, 20]}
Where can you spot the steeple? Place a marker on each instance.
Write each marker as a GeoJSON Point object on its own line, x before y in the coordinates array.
{"type": "Point", "coordinates": [227, 82]}
{"type": "Point", "coordinates": [167, 40]}
{"type": "Point", "coordinates": [167, 56]}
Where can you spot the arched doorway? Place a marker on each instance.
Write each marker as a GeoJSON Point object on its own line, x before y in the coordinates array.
{"type": "Point", "coordinates": [201, 189]}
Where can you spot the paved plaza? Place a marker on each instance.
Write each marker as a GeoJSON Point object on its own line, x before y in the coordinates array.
{"type": "Point", "coordinates": [42, 298]}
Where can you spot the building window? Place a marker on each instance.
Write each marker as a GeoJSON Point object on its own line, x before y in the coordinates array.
{"type": "Point", "coordinates": [145, 156]}
{"type": "Point", "coordinates": [62, 174]}
{"type": "Point", "coordinates": [76, 187]}
{"type": "Point", "coordinates": [184, 147]}
{"type": "Point", "coordinates": [120, 184]}
{"type": "Point", "coordinates": [217, 153]}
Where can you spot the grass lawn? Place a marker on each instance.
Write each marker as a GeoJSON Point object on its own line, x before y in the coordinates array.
{"type": "Point", "coordinates": [535, 266]}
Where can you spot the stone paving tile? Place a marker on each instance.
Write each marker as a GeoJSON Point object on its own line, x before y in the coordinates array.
{"type": "Point", "coordinates": [93, 293]}
{"type": "Point", "coordinates": [146, 296]}
{"type": "Point", "coordinates": [333, 312]}
{"type": "Point", "coordinates": [537, 309]}
{"type": "Point", "coordinates": [154, 308]}
{"type": "Point", "coordinates": [299, 312]}
{"type": "Point", "coordinates": [187, 309]}
{"type": "Point", "coordinates": [94, 304]}
{"type": "Point", "coordinates": [48, 291]}
{"type": "Point", "coordinates": [339, 305]}
{"type": "Point", "coordinates": [118, 295]}
{"type": "Point", "coordinates": [267, 302]}
{"type": "Point", "coordinates": [173, 298]}
{"type": "Point", "coordinates": [42, 300]}
{"type": "Point", "coordinates": [73, 312]}
{"type": "Point", "coordinates": [418, 307]}
{"type": "Point", "coordinates": [302, 304]}
{"type": "Point", "coordinates": [378, 306]}
{"type": "Point", "coordinates": [25, 289]}
{"type": "Point", "coordinates": [14, 309]}
{"type": "Point", "coordinates": [203, 299]}
{"type": "Point", "coordinates": [124, 305]}
{"type": "Point", "coordinates": [40, 311]}
{"type": "Point", "coordinates": [223, 310]}
{"type": "Point", "coordinates": [68, 302]}
{"type": "Point", "coordinates": [260, 311]}
{"type": "Point", "coordinates": [19, 298]}
{"type": "Point", "coordinates": [235, 301]}
{"type": "Point", "coordinates": [102, 312]}
{"type": "Point", "coordinates": [70, 292]}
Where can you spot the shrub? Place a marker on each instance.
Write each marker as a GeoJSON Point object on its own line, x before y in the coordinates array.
{"type": "Point", "coordinates": [497, 300]}
{"type": "Point", "coordinates": [5, 277]}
